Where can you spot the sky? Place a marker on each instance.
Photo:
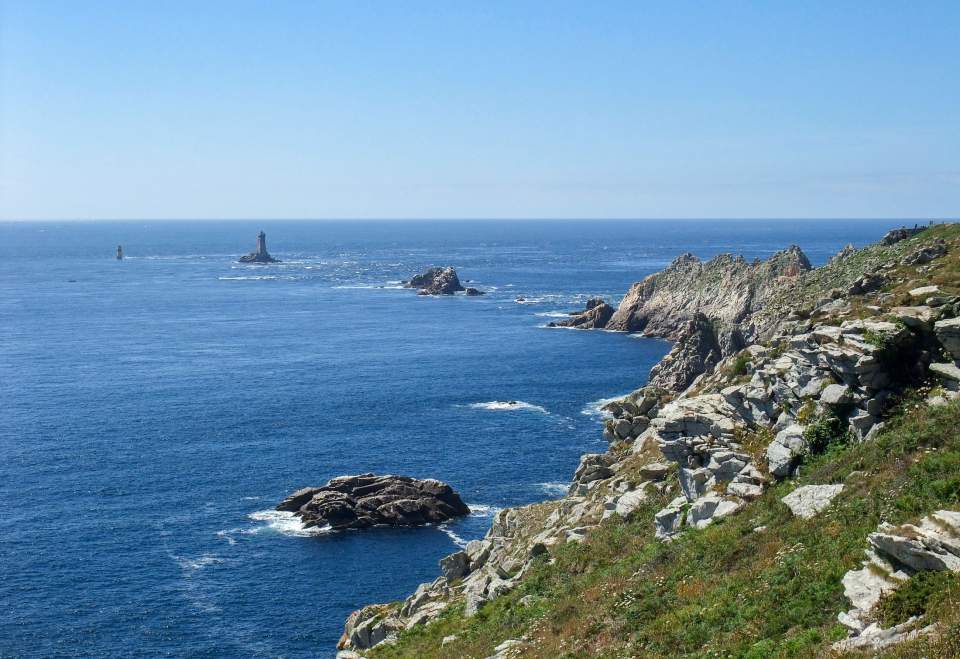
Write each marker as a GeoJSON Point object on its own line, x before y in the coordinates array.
{"type": "Point", "coordinates": [487, 109]}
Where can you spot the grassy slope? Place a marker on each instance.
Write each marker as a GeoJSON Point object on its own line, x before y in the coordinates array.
{"type": "Point", "coordinates": [730, 590]}
{"type": "Point", "coordinates": [727, 590]}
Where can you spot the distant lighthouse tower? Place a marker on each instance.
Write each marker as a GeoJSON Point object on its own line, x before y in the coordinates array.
{"type": "Point", "coordinates": [119, 252]}
{"type": "Point", "coordinates": [261, 255]}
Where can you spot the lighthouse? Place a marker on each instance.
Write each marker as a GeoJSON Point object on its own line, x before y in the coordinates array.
{"type": "Point", "coordinates": [261, 255]}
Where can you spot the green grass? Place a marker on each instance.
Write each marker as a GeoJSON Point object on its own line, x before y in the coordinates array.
{"type": "Point", "coordinates": [727, 590]}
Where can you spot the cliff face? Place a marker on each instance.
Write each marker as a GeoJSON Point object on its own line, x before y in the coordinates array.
{"type": "Point", "coordinates": [832, 397]}
{"type": "Point", "coordinates": [706, 307]}
{"type": "Point", "coordinates": [726, 289]}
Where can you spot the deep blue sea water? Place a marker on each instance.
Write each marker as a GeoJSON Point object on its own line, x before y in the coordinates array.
{"type": "Point", "coordinates": [154, 410]}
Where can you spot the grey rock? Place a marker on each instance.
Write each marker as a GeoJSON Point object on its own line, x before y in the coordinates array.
{"type": "Point", "coordinates": [656, 471]}
{"type": "Point", "coordinates": [924, 291]}
{"type": "Point", "coordinates": [809, 500]}
{"type": "Point", "coordinates": [784, 451]}
{"type": "Point", "coordinates": [948, 333]}
{"type": "Point", "coordinates": [926, 254]}
{"type": "Point", "coordinates": [669, 520]}
{"type": "Point", "coordinates": [436, 281]}
{"type": "Point", "coordinates": [711, 507]}
{"type": "Point", "coordinates": [455, 565]}
{"type": "Point", "coordinates": [836, 394]}
{"type": "Point", "coordinates": [896, 235]}
{"type": "Point", "coordinates": [694, 482]}
{"type": "Point", "coordinates": [629, 502]}
{"type": "Point", "coordinates": [748, 491]}
{"type": "Point", "coordinates": [946, 371]}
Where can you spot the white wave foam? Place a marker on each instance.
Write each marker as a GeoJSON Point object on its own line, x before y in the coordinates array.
{"type": "Point", "coordinates": [197, 563]}
{"type": "Point", "coordinates": [508, 405]}
{"type": "Point", "coordinates": [283, 522]}
{"type": "Point", "coordinates": [227, 534]}
{"type": "Point", "coordinates": [351, 287]}
{"type": "Point", "coordinates": [259, 278]}
{"type": "Point", "coordinates": [554, 488]}
{"type": "Point", "coordinates": [552, 314]}
{"type": "Point", "coordinates": [596, 407]}
{"type": "Point", "coordinates": [483, 510]}
{"type": "Point", "coordinates": [457, 540]}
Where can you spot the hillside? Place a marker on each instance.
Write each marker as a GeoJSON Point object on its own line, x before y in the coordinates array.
{"type": "Point", "coordinates": [795, 500]}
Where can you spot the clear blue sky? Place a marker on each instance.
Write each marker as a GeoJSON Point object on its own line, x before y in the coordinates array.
{"type": "Point", "coordinates": [479, 109]}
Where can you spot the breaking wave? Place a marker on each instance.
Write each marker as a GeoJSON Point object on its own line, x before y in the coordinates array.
{"type": "Point", "coordinates": [508, 405]}
{"type": "Point", "coordinates": [595, 408]}
{"type": "Point", "coordinates": [554, 488]}
{"type": "Point", "coordinates": [283, 522]}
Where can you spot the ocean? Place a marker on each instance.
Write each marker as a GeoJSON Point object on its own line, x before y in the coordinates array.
{"type": "Point", "coordinates": [156, 409]}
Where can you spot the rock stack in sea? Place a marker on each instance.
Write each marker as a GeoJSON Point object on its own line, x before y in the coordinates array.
{"type": "Point", "coordinates": [261, 255]}
{"type": "Point", "coordinates": [439, 281]}
{"type": "Point", "coordinates": [366, 500]}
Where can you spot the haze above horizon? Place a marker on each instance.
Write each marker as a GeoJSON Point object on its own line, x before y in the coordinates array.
{"type": "Point", "coordinates": [498, 110]}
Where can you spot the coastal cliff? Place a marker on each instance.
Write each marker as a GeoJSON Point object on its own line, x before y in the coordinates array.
{"type": "Point", "coordinates": [797, 496]}
{"type": "Point", "coordinates": [706, 307]}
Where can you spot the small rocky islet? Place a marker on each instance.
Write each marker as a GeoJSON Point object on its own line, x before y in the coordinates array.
{"type": "Point", "coordinates": [767, 357]}
{"type": "Point", "coordinates": [440, 281]}
{"type": "Point", "coordinates": [368, 500]}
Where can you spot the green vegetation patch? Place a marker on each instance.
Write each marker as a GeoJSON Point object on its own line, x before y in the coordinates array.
{"type": "Point", "coordinates": [728, 590]}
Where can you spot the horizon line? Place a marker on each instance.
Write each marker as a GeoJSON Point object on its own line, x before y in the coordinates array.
{"type": "Point", "coordinates": [918, 219]}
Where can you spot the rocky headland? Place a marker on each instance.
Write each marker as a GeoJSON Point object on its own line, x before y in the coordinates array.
{"type": "Point", "coordinates": [367, 500]}
{"type": "Point", "coordinates": [439, 281]}
{"type": "Point", "coordinates": [804, 416]}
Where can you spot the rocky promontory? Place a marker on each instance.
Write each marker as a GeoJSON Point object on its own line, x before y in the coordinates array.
{"type": "Point", "coordinates": [366, 500]}
{"type": "Point", "coordinates": [750, 491]}
{"type": "Point", "coordinates": [439, 281]}
{"type": "Point", "coordinates": [706, 307]}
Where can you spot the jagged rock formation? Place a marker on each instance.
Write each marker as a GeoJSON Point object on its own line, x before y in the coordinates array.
{"type": "Point", "coordinates": [831, 369]}
{"type": "Point", "coordinates": [706, 307]}
{"type": "Point", "coordinates": [261, 255]}
{"type": "Point", "coordinates": [596, 316]}
{"type": "Point", "coordinates": [895, 554]}
{"type": "Point", "coordinates": [437, 281]}
{"type": "Point", "coordinates": [725, 289]}
{"type": "Point", "coordinates": [896, 235]}
{"type": "Point", "coordinates": [359, 502]}
{"type": "Point", "coordinates": [697, 350]}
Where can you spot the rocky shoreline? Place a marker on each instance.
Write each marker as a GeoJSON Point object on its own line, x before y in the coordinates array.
{"type": "Point", "coordinates": [770, 357]}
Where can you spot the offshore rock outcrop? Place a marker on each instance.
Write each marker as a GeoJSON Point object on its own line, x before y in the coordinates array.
{"type": "Point", "coordinates": [260, 255]}
{"type": "Point", "coordinates": [596, 315]}
{"type": "Point", "coordinates": [707, 452]}
{"type": "Point", "coordinates": [438, 281]}
{"type": "Point", "coordinates": [359, 502]}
